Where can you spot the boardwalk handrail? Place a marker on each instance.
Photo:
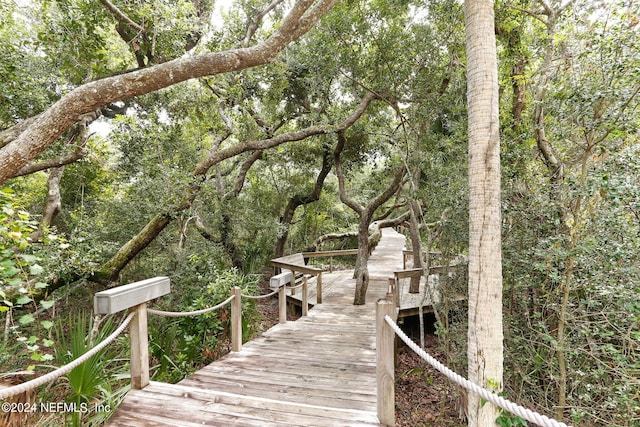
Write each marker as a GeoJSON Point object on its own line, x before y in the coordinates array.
{"type": "Point", "coordinates": [135, 297]}
{"type": "Point", "coordinates": [406, 253]}
{"type": "Point", "coordinates": [190, 313]}
{"type": "Point", "coordinates": [330, 254]}
{"type": "Point", "coordinates": [386, 329]}
{"type": "Point", "coordinates": [295, 263]}
{"type": "Point", "coordinates": [65, 369]}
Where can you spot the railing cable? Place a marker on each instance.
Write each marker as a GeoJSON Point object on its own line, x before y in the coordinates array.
{"type": "Point", "coordinates": [503, 403]}
{"type": "Point", "coordinates": [36, 382]}
{"type": "Point", "coordinates": [293, 288]}
{"type": "Point", "coordinates": [260, 296]}
{"type": "Point", "coordinates": [190, 313]}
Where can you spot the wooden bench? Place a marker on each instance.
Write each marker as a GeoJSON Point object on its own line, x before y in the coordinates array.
{"type": "Point", "coordinates": [296, 265]}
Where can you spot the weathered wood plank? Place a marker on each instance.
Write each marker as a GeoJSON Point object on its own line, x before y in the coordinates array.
{"type": "Point", "coordinates": [258, 402]}
{"type": "Point", "coordinates": [298, 380]}
{"type": "Point", "coordinates": [344, 368]}
{"type": "Point", "coordinates": [321, 375]}
{"type": "Point", "coordinates": [123, 297]}
{"type": "Point", "coordinates": [308, 395]}
{"type": "Point", "coordinates": [256, 408]}
{"type": "Point", "coordinates": [340, 252]}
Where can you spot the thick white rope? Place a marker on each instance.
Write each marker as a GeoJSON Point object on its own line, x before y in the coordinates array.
{"type": "Point", "coordinates": [503, 403]}
{"type": "Point", "coordinates": [190, 313]}
{"type": "Point", "coordinates": [295, 287]}
{"type": "Point", "coordinates": [37, 382]}
{"type": "Point", "coordinates": [260, 296]}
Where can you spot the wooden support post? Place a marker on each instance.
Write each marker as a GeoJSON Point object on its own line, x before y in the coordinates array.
{"type": "Point", "coordinates": [391, 292]}
{"type": "Point", "coordinates": [396, 289]}
{"type": "Point", "coordinates": [236, 319]}
{"type": "Point", "coordinates": [330, 264]}
{"type": "Point", "coordinates": [305, 296]}
{"type": "Point", "coordinates": [319, 289]}
{"type": "Point", "coordinates": [395, 299]}
{"type": "Point", "coordinates": [282, 301]}
{"type": "Point", "coordinates": [139, 347]}
{"type": "Point", "coordinates": [293, 283]}
{"type": "Point", "coordinates": [385, 363]}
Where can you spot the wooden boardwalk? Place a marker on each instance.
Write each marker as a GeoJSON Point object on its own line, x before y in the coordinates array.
{"type": "Point", "coordinates": [317, 371]}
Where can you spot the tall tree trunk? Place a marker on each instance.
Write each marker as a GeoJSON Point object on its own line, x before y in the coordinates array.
{"type": "Point", "coordinates": [228, 239]}
{"type": "Point", "coordinates": [53, 204]}
{"type": "Point", "coordinates": [557, 178]}
{"type": "Point", "coordinates": [361, 268]}
{"type": "Point", "coordinates": [416, 246]}
{"type": "Point", "coordinates": [485, 336]}
{"type": "Point", "coordinates": [366, 215]}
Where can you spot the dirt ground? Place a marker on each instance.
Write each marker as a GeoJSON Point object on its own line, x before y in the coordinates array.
{"type": "Point", "coordinates": [423, 396]}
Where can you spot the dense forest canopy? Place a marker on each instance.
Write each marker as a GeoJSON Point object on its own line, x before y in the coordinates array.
{"type": "Point", "coordinates": [199, 140]}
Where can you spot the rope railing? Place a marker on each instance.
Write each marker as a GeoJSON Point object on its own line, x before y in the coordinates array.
{"type": "Point", "coordinates": [190, 313]}
{"type": "Point", "coordinates": [37, 382]}
{"type": "Point", "coordinates": [134, 297]}
{"type": "Point", "coordinates": [236, 312]}
{"type": "Point", "coordinates": [499, 401]}
{"type": "Point", "coordinates": [298, 286]}
{"type": "Point", "coordinates": [254, 297]}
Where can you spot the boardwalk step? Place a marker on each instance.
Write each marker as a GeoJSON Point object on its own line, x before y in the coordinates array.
{"type": "Point", "coordinates": [161, 404]}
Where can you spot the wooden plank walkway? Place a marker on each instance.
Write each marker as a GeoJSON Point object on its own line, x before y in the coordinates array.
{"type": "Point", "coordinates": [317, 371]}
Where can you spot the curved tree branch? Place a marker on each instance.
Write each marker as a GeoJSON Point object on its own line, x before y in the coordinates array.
{"type": "Point", "coordinates": [331, 236]}
{"type": "Point", "coordinates": [298, 200]}
{"type": "Point", "coordinates": [109, 272]}
{"type": "Point", "coordinates": [67, 159]}
{"type": "Point", "coordinates": [344, 198]}
{"type": "Point", "coordinates": [242, 174]}
{"type": "Point", "coordinates": [52, 123]}
{"type": "Point", "coordinates": [121, 16]}
{"type": "Point", "coordinates": [253, 27]}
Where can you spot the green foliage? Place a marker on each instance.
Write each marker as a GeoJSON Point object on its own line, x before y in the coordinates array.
{"type": "Point", "coordinates": [507, 419]}
{"type": "Point", "coordinates": [92, 383]}
{"type": "Point", "coordinates": [411, 55]}
{"type": "Point", "coordinates": [178, 346]}
{"type": "Point", "coordinates": [28, 81]}
{"type": "Point", "coordinates": [22, 280]}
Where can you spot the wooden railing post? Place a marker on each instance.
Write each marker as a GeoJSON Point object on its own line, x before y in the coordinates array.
{"type": "Point", "coordinates": [385, 338]}
{"type": "Point", "coordinates": [139, 347]}
{"type": "Point", "coordinates": [319, 287]}
{"type": "Point", "coordinates": [236, 319]}
{"type": "Point", "coordinates": [134, 297]}
{"type": "Point", "coordinates": [391, 290]}
{"type": "Point", "coordinates": [305, 296]}
{"type": "Point", "coordinates": [282, 302]}
{"type": "Point", "coordinates": [293, 283]}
